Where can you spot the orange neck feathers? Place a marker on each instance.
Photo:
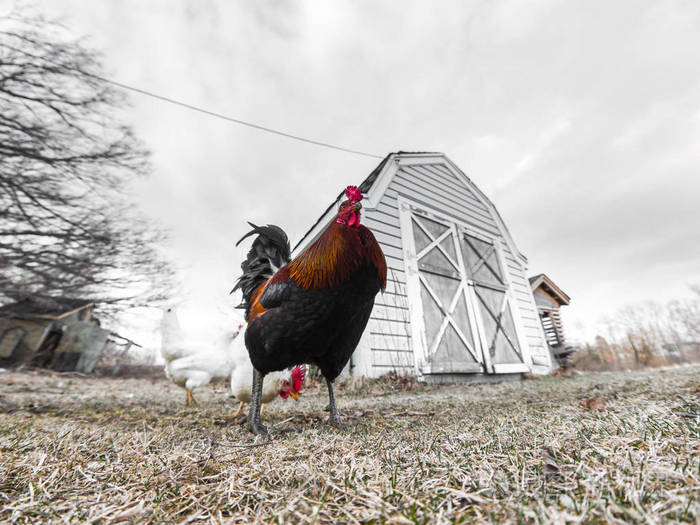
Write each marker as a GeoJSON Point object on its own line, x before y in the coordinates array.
{"type": "Point", "coordinates": [335, 257]}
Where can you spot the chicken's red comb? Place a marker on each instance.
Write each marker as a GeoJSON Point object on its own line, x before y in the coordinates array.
{"type": "Point", "coordinates": [353, 193]}
{"type": "Point", "coordinates": [298, 375]}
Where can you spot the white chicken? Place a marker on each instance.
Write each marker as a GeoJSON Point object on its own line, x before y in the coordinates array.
{"type": "Point", "coordinates": [172, 343]}
{"type": "Point", "coordinates": [285, 383]}
{"type": "Point", "coordinates": [190, 365]}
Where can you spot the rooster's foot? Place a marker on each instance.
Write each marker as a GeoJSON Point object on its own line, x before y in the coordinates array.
{"type": "Point", "coordinates": [259, 429]}
{"type": "Point", "coordinates": [338, 423]}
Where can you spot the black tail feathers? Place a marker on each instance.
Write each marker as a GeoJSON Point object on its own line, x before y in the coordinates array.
{"type": "Point", "coordinates": [269, 252]}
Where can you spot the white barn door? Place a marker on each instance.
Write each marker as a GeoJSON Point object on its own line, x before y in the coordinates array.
{"type": "Point", "coordinates": [499, 336]}
{"type": "Point", "coordinates": [460, 315]}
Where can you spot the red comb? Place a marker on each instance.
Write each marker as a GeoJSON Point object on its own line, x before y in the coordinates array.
{"type": "Point", "coordinates": [298, 375]}
{"type": "Point", "coordinates": [353, 193]}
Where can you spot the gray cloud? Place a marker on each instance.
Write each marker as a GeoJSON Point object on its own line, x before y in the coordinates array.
{"type": "Point", "coordinates": [580, 119]}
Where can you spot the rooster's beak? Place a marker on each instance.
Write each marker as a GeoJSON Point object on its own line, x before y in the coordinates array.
{"type": "Point", "coordinates": [294, 395]}
{"type": "Point", "coordinates": [357, 206]}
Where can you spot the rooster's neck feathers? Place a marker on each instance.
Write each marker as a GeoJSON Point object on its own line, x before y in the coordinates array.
{"type": "Point", "coordinates": [335, 257]}
{"type": "Point", "coordinates": [269, 252]}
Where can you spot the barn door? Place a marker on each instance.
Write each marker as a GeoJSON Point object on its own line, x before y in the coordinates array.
{"type": "Point", "coordinates": [503, 353]}
{"type": "Point", "coordinates": [448, 320]}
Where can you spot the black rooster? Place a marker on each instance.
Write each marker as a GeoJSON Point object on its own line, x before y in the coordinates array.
{"type": "Point", "coordinates": [314, 308]}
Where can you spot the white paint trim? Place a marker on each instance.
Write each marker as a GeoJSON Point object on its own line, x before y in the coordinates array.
{"type": "Point", "coordinates": [481, 196]}
{"type": "Point", "coordinates": [525, 350]}
{"type": "Point", "coordinates": [509, 302]}
{"type": "Point", "coordinates": [407, 208]}
{"type": "Point", "coordinates": [382, 181]}
{"type": "Point", "coordinates": [510, 368]}
{"type": "Point", "coordinates": [472, 306]}
{"type": "Point", "coordinates": [415, 305]}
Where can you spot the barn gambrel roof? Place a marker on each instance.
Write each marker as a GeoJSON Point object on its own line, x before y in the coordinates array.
{"type": "Point", "coordinates": [376, 183]}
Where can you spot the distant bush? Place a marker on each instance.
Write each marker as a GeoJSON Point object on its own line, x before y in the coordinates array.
{"type": "Point", "coordinates": [647, 335]}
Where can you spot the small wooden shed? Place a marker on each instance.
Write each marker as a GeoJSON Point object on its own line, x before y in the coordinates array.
{"type": "Point", "coordinates": [549, 298]}
{"type": "Point", "coordinates": [56, 332]}
{"type": "Point", "coordinates": [458, 305]}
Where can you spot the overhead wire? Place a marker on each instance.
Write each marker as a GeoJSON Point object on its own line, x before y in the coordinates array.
{"type": "Point", "coordinates": [235, 120]}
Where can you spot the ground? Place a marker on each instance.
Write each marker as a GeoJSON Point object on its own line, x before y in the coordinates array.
{"type": "Point", "coordinates": [127, 450]}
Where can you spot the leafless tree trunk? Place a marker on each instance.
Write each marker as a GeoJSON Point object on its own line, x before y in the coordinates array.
{"type": "Point", "coordinates": [67, 225]}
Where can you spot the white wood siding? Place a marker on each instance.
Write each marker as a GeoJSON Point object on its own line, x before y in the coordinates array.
{"type": "Point", "coordinates": [436, 187]}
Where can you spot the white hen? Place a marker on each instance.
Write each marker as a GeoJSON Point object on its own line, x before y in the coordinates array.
{"type": "Point", "coordinates": [172, 343]}
{"type": "Point", "coordinates": [191, 365]}
{"type": "Point", "coordinates": [285, 383]}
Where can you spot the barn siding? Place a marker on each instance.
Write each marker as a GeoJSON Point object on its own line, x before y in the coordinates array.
{"type": "Point", "coordinates": [529, 318]}
{"type": "Point", "coordinates": [435, 187]}
{"type": "Point", "coordinates": [386, 344]}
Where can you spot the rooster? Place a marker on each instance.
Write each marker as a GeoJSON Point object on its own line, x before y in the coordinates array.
{"type": "Point", "coordinates": [312, 309]}
{"type": "Point", "coordinates": [284, 383]}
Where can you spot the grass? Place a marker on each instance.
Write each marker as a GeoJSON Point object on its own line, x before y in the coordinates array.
{"type": "Point", "coordinates": [126, 450]}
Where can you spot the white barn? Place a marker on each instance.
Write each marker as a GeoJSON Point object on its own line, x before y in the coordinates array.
{"type": "Point", "coordinates": [458, 305]}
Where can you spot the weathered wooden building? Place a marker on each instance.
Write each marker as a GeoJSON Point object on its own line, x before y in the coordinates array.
{"type": "Point", "coordinates": [549, 298]}
{"type": "Point", "coordinates": [55, 332]}
{"type": "Point", "coordinates": [458, 303]}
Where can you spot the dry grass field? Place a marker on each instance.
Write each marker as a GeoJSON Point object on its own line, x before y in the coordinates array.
{"type": "Point", "coordinates": [127, 450]}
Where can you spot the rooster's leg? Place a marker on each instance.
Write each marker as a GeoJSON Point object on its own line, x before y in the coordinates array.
{"type": "Point", "coordinates": [256, 398]}
{"type": "Point", "coordinates": [335, 417]}
{"type": "Point", "coordinates": [188, 397]}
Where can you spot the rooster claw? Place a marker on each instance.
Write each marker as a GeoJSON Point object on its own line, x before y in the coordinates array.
{"type": "Point", "coordinates": [282, 430]}
{"type": "Point", "coordinates": [338, 423]}
{"type": "Point", "coordinates": [259, 430]}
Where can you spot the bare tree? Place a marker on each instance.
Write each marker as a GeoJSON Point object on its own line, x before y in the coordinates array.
{"type": "Point", "coordinates": [648, 334]}
{"type": "Point", "coordinates": [67, 225]}
{"type": "Point", "coordinates": [686, 317]}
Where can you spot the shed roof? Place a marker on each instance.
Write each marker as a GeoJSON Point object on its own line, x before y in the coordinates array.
{"type": "Point", "coordinates": [548, 285]}
{"type": "Point", "coordinates": [367, 184]}
{"type": "Point", "coordinates": [43, 306]}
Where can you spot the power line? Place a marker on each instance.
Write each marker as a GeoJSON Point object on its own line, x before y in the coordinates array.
{"type": "Point", "coordinates": [235, 120]}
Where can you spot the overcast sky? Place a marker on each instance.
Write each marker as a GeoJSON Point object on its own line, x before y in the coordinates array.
{"type": "Point", "coordinates": [580, 120]}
